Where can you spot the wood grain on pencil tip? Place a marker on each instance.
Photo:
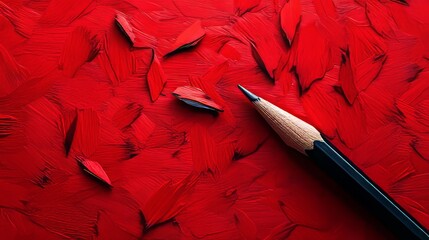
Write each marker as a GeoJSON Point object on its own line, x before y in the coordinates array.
{"type": "Point", "coordinates": [294, 132]}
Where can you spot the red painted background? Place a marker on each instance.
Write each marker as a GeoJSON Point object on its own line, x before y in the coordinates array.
{"type": "Point", "coordinates": [93, 144]}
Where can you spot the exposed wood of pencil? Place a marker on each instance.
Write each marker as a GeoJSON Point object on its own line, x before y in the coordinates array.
{"type": "Point", "coordinates": [294, 132]}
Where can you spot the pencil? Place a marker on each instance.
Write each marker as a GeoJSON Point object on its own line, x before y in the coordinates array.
{"type": "Point", "coordinates": [309, 141]}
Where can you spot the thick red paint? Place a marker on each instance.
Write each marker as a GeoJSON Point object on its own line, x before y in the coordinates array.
{"type": "Point", "coordinates": [290, 18]}
{"type": "Point", "coordinates": [86, 101]}
{"type": "Point", "coordinates": [188, 38]}
{"type": "Point", "coordinates": [196, 97]}
{"type": "Point", "coordinates": [156, 78]}
{"type": "Point", "coordinates": [94, 169]}
{"type": "Point", "coordinates": [7, 123]}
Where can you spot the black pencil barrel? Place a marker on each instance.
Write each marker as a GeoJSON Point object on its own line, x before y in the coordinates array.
{"type": "Point", "coordinates": [345, 172]}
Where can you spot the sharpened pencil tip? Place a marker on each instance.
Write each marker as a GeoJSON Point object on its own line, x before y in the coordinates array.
{"type": "Point", "coordinates": [252, 97]}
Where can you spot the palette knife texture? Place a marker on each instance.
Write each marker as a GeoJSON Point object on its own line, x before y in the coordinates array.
{"type": "Point", "coordinates": [93, 143]}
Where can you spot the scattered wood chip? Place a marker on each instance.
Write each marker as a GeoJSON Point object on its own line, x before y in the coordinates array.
{"type": "Point", "coordinates": [94, 169]}
{"type": "Point", "coordinates": [197, 98]}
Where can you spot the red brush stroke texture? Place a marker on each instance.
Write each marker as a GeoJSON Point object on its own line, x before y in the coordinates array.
{"type": "Point", "coordinates": [197, 96]}
{"type": "Point", "coordinates": [91, 81]}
